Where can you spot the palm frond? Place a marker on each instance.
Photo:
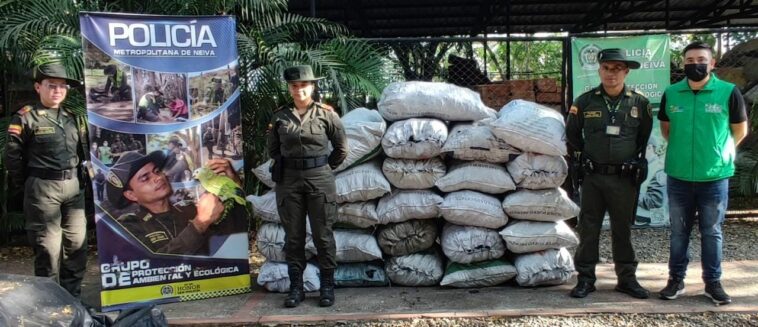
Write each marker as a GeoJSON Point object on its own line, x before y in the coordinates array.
{"type": "Point", "coordinates": [64, 49]}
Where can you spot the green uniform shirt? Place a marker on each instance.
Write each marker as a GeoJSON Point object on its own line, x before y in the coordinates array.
{"type": "Point", "coordinates": [42, 138]}
{"type": "Point", "coordinates": [168, 232]}
{"type": "Point", "coordinates": [291, 137]}
{"type": "Point", "coordinates": [701, 147]}
{"type": "Point", "coordinates": [587, 128]}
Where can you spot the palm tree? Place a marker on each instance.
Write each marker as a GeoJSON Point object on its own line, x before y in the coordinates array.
{"type": "Point", "coordinates": [269, 39]}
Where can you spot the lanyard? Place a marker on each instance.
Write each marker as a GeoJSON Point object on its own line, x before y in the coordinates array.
{"type": "Point", "coordinates": [612, 109]}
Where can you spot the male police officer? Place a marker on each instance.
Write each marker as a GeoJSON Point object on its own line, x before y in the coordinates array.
{"type": "Point", "coordinates": [181, 228]}
{"type": "Point", "coordinates": [610, 125]}
{"type": "Point", "coordinates": [44, 151]}
{"type": "Point", "coordinates": [298, 140]}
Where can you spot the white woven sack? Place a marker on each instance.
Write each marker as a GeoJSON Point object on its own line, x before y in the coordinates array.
{"type": "Point", "coordinates": [549, 267]}
{"type": "Point", "coordinates": [364, 129]}
{"type": "Point", "coordinates": [413, 174]}
{"type": "Point", "coordinates": [525, 236]}
{"type": "Point", "coordinates": [403, 205]}
{"type": "Point", "coordinates": [416, 138]}
{"type": "Point", "coordinates": [537, 171]}
{"type": "Point", "coordinates": [273, 277]}
{"type": "Point", "coordinates": [361, 183]}
{"type": "Point", "coordinates": [354, 245]}
{"type": "Point", "coordinates": [358, 214]}
{"type": "Point", "coordinates": [531, 127]}
{"type": "Point", "coordinates": [403, 100]}
{"type": "Point", "coordinates": [417, 269]}
{"type": "Point", "coordinates": [264, 206]}
{"type": "Point", "coordinates": [270, 242]}
{"type": "Point", "coordinates": [481, 274]}
{"type": "Point", "coordinates": [477, 143]}
{"type": "Point", "coordinates": [472, 208]}
{"type": "Point", "coordinates": [540, 205]}
{"type": "Point", "coordinates": [478, 176]}
{"type": "Point", "coordinates": [469, 244]}
{"type": "Point", "coordinates": [263, 173]}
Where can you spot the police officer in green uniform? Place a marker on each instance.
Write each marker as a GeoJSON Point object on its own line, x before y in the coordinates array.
{"type": "Point", "coordinates": [43, 155]}
{"type": "Point", "coordinates": [610, 126]}
{"type": "Point", "coordinates": [179, 228]}
{"type": "Point", "coordinates": [298, 140]}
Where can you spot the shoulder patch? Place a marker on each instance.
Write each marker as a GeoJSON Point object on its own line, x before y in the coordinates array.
{"type": "Point", "coordinates": [25, 110]}
{"type": "Point", "coordinates": [574, 110]}
{"type": "Point", "coordinates": [639, 92]}
{"type": "Point", "coordinates": [15, 129]}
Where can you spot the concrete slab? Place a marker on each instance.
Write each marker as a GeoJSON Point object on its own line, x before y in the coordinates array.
{"type": "Point", "coordinates": [437, 302]}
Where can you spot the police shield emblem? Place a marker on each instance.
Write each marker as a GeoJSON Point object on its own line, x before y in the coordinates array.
{"type": "Point", "coordinates": [635, 113]}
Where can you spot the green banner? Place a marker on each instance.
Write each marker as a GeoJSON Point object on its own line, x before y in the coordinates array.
{"type": "Point", "coordinates": [652, 51]}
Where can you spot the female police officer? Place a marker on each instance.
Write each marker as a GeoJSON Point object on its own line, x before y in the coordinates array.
{"type": "Point", "coordinates": [298, 140]}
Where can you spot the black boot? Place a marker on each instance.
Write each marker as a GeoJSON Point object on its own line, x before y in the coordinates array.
{"type": "Point", "coordinates": [327, 288]}
{"type": "Point", "coordinates": [296, 294]}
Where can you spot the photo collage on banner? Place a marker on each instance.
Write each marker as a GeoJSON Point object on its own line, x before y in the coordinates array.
{"type": "Point", "coordinates": [653, 53]}
{"type": "Point", "coordinates": [163, 101]}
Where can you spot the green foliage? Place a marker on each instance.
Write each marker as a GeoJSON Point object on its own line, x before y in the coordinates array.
{"type": "Point", "coordinates": [528, 59]}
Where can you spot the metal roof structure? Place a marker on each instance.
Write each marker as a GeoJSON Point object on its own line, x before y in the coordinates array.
{"type": "Point", "coordinates": [433, 18]}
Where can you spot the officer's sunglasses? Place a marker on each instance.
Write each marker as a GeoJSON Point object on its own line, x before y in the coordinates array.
{"type": "Point", "coordinates": [53, 87]}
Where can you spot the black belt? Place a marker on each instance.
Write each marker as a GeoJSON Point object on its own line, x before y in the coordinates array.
{"type": "Point", "coordinates": [606, 169]}
{"type": "Point", "coordinates": [305, 163]}
{"type": "Point", "coordinates": [59, 175]}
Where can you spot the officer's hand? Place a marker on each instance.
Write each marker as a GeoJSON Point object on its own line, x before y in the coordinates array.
{"type": "Point", "coordinates": [209, 209]}
{"type": "Point", "coordinates": [223, 167]}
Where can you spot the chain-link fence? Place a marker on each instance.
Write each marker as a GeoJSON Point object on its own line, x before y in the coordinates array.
{"type": "Point", "coordinates": [499, 69]}
{"type": "Point", "coordinates": [502, 69]}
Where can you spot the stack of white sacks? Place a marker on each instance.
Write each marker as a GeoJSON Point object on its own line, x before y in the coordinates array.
{"type": "Point", "coordinates": [493, 180]}
{"type": "Point", "coordinates": [414, 144]}
{"type": "Point", "coordinates": [537, 233]}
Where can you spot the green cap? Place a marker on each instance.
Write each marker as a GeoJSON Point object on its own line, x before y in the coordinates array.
{"type": "Point", "coordinates": [302, 73]}
{"type": "Point", "coordinates": [616, 54]}
{"type": "Point", "coordinates": [54, 70]}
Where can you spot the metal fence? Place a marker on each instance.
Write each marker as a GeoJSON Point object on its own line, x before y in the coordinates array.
{"type": "Point", "coordinates": [484, 63]}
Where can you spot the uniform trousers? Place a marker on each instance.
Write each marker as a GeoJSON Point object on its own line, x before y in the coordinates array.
{"type": "Point", "coordinates": [57, 229]}
{"type": "Point", "coordinates": [618, 196]}
{"type": "Point", "coordinates": [312, 193]}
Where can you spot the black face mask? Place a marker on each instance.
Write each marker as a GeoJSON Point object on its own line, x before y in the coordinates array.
{"type": "Point", "coordinates": [696, 72]}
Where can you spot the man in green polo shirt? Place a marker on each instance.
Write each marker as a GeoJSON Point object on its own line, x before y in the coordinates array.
{"type": "Point", "coordinates": [703, 118]}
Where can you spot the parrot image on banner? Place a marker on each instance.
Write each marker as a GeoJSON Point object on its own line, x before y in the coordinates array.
{"type": "Point", "coordinates": [222, 186]}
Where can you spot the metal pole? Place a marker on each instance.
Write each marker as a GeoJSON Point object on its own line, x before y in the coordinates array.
{"type": "Point", "coordinates": [567, 89]}
{"type": "Point", "coordinates": [313, 8]}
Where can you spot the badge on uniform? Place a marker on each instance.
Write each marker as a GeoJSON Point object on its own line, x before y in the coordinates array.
{"type": "Point", "coordinates": [613, 130]}
{"type": "Point", "coordinates": [635, 113]}
{"type": "Point", "coordinates": [44, 130]}
{"type": "Point", "coordinates": [156, 237]}
{"type": "Point", "coordinates": [593, 114]}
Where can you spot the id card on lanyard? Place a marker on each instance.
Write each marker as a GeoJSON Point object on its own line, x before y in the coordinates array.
{"type": "Point", "coordinates": [612, 128]}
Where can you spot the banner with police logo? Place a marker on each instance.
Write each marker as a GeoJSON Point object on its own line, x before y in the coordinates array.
{"type": "Point", "coordinates": [166, 157]}
{"type": "Point", "coordinates": [651, 79]}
